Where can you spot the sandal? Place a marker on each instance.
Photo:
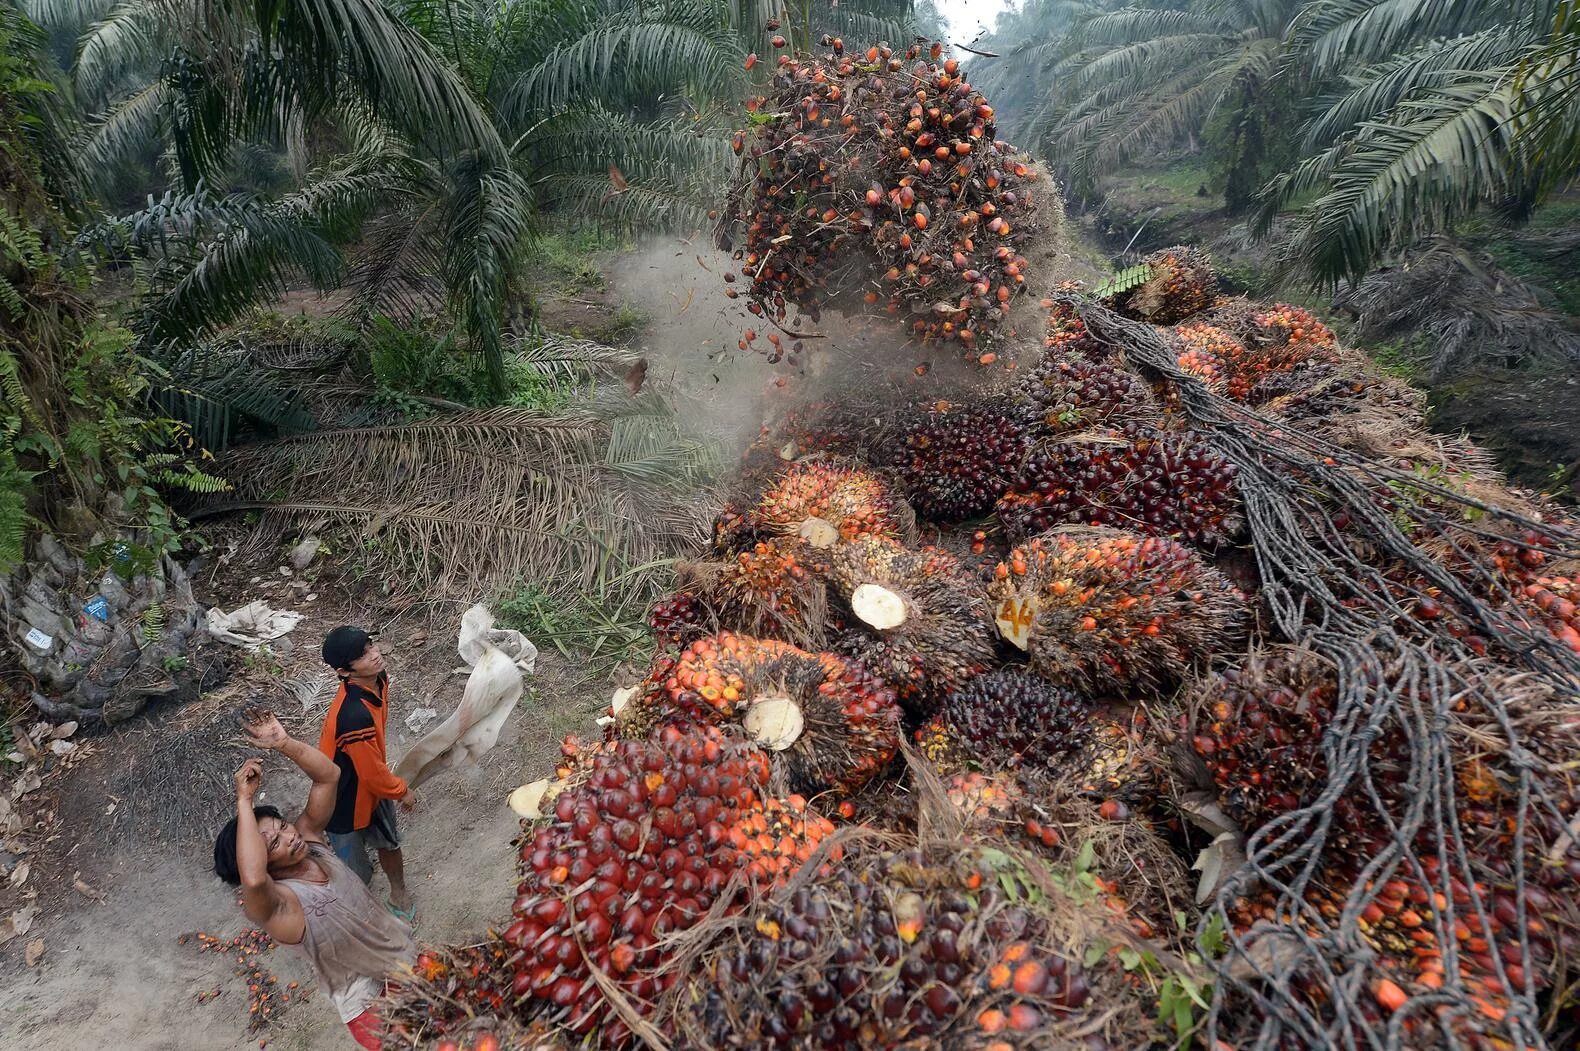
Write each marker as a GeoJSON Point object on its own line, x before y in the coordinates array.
{"type": "Point", "coordinates": [408, 916]}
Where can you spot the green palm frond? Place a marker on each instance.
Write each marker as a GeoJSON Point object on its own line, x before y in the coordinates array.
{"type": "Point", "coordinates": [1376, 90]}
{"type": "Point", "coordinates": [1332, 34]}
{"type": "Point", "coordinates": [1434, 158]}
{"type": "Point", "coordinates": [666, 50]}
{"type": "Point", "coordinates": [134, 37]}
{"type": "Point", "coordinates": [566, 359]}
{"type": "Point", "coordinates": [64, 14]}
{"type": "Point", "coordinates": [1132, 24]}
{"type": "Point", "coordinates": [130, 125]}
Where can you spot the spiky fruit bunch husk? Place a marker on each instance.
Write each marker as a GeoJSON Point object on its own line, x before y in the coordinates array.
{"type": "Point", "coordinates": [768, 590]}
{"type": "Point", "coordinates": [944, 638]}
{"type": "Point", "coordinates": [1072, 391]}
{"type": "Point", "coordinates": [1180, 281]}
{"type": "Point", "coordinates": [1159, 482]}
{"type": "Point", "coordinates": [460, 999]}
{"type": "Point", "coordinates": [679, 619]}
{"type": "Point", "coordinates": [1010, 718]}
{"type": "Point", "coordinates": [854, 502]}
{"type": "Point", "coordinates": [635, 848]}
{"type": "Point", "coordinates": [1103, 609]}
{"type": "Point", "coordinates": [1407, 925]}
{"type": "Point", "coordinates": [850, 721]}
{"type": "Point", "coordinates": [903, 948]}
{"type": "Point", "coordinates": [955, 461]}
{"type": "Point", "coordinates": [883, 176]}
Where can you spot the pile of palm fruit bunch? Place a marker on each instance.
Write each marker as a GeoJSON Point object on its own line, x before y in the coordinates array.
{"type": "Point", "coordinates": [1173, 688]}
{"type": "Point", "coordinates": [871, 179]}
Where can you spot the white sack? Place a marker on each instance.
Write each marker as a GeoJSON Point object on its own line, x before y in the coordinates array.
{"type": "Point", "coordinates": [498, 658]}
{"type": "Point", "coordinates": [251, 625]}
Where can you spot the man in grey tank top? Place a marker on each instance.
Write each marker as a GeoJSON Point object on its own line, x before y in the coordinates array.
{"type": "Point", "coordinates": [296, 889]}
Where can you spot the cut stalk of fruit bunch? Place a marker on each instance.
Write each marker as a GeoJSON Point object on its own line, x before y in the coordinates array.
{"type": "Point", "coordinates": [829, 722]}
{"type": "Point", "coordinates": [920, 624]}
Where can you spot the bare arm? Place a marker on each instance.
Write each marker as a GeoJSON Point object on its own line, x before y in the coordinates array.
{"type": "Point", "coordinates": [258, 896]}
{"type": "Point", "coordinates": [265, 731]}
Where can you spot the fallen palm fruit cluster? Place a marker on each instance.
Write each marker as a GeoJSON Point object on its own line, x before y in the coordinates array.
{"type": "Point", "coordinates": [874, 178]}
{"type": "Point", "coordinates": [1174, 688]}
{"type": "Point", "coordinates": [265, 998]}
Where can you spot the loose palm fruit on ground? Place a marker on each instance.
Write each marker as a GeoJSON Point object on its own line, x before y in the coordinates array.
{"type": "Point", "coordinates": [917, 622]}
{"type": "Point", "coordinates": [1099, 609]}
{"type": "Point", "coordinates": [1159, 482]}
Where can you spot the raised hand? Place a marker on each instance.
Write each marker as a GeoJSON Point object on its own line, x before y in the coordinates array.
{"type": "Point", "coordinates": [249, 779]}
{"type": "Point", "coordinates": [263, 727]}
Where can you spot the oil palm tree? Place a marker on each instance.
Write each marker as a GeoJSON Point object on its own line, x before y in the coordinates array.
{"type": "Point", "coordinates": [1144, 78]}
{"type": "Point", "coordinates": [1442, 109]}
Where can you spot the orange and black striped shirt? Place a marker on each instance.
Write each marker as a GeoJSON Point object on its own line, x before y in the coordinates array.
{"type": "Point", "coordinates": [353, 737]}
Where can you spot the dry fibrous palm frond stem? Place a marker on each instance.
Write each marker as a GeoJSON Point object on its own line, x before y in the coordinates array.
{"type": "Point", "coordinates": [1397, 674]}
{"type": "Point", "coordinates": [475, 500]}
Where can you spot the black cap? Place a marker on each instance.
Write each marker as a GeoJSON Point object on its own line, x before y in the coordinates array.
{"type": "Point", "coordinates": [344, 645]}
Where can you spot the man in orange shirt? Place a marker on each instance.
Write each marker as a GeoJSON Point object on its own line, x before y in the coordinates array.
{"type": "Point", "coordinates": [353, 736]}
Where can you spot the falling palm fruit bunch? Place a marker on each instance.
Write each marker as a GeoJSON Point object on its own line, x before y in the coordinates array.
{"type": "Point", "coordinates": [767, 590]}
{"type": "Point", "coordinates": [944, 947]}
{"type": "Point", "coordinates": [1173, 283]}
{"type": "Point", "coordinates": [827, 721]}
{"type": "Point", "coordinates": [955, 461]}
{"type": "Point", "coordinates": [1161, 482]}
{"type": "Point", "coordinates": [878, 175]}
{"type": "Point", "coordinates": [639, 843]}
{"type": "Point", "coordinates": [1071, 392]}
{"type": "Point", "coordinates": [1008, 719]}
{"type": "Point", "coordinates": [1101, 609]}
{"type": "Point", "coordinates": [917, 622]}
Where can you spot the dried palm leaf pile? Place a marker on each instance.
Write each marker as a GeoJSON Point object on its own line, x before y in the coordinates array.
{"type": "Point", "coordinates": [1245, 715]}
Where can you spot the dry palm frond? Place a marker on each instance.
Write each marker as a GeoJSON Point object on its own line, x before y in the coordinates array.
{"type": "Point", "coordinates": [478, 500]}
{"type": "Point", "coordinates": [1473, 312]}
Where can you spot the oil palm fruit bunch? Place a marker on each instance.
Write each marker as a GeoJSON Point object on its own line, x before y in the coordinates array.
{"type": "Point", "coordinates": [1406, 923]}
{"type": "Point", "coordinates": [1259, 731]}
{"type": "Point", "coordinates": [828, 722]}
{"type": "Point", "coordinates": [1205, 352]}
{"type": "Point", "coordinates": [778, 837]}
{"type": "Point", "coordinates": [767, 590]}
{"type": "Point", "coordinates": [1160, 482]}
{"type": "Point", "coordinates": [634, 847]}
{"type": "Point", "coordinates": [679, 619]}
{"type": "Point", "coordinates": [882, 177]}
{"type": "Point", "coordinates": [824, 502]}
{"type": "Point", "coordinates": [919, 624]}
{"type": "Point", "coordinates": [1009, 719]}
{"type": "Point", "coordinates": [955, 460]}
{"type": "Point", "coordinates": [822, 428]}
{"type": "Point", "coordinates": [1067, 335]}
{"type": "Point", "coordinates": [1100, 609]}
{"type": "Point", "coordinates": [1072, 392]}
{"type": "Point", "coordinates": [1171, 285]}
{"type": "Point", "coordinates": [900, 948]}
{"type": "Point", "coordinates": [461, 999]}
